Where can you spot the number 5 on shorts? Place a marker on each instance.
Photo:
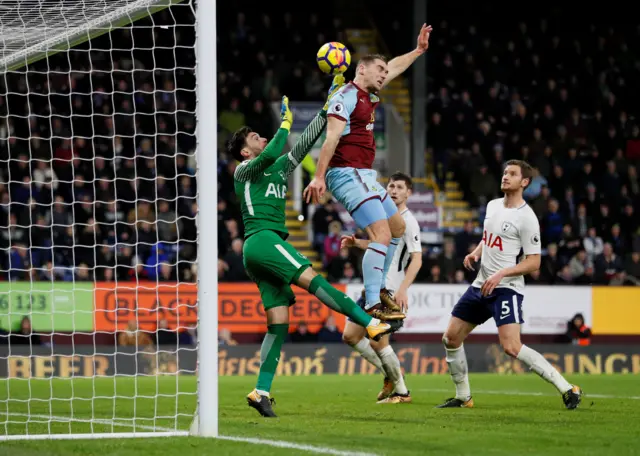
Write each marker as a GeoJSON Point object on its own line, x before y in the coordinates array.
{"type": "Point", "coordinates": [505, 309]}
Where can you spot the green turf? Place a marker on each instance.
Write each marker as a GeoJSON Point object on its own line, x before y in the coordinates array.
{"type": "Point", "coordinates": [331, 411]}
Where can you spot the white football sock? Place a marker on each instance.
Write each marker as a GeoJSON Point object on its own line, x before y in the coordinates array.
{"type": "Point", "coordinates": [391, 365]}
{"type": "Point", "coordinates": [364, 348]}
{"type": "Point", "coordinates": [262, 393]}
{"type": "Point", "coordinates": [373, 322]}
{"type": "Point", "coordinates": [537, 363]}
{"type": "Point", "coordinates": [459, 370]}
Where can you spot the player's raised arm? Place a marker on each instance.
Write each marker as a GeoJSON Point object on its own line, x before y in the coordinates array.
{"type": "Point", "coordinates": [398, 65]}
{"type": "Point", "coordinates": [251, 169]}
{"type": "Point", "coordinates": [310, 134]}
{"type": "Point", "coordinates": [340, 108]}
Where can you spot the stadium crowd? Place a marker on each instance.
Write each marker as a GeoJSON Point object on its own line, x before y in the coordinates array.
{"type": "Point", "coordinates": [568, 104]}
{"type": "Point", "coordinates": [97, 169]}
{"type": "Point", "coordinates": [102, 186]}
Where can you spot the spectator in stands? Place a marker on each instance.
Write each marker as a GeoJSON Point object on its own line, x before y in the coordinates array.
{"type": "Point", "coordinates": [569, 244]}
{"type": "Point", "coordinates": [535, 187]}
{"type": "Point", "coordinates": [188, 335]}
{"type": "Point", "coordinates": [459, 278]}
{"type": "Point", "coordinates": [465, 238]}
{"type": "Point", "coordinates": [593, 244]}
{"type": "Point", "coordinates": [632, 268]}
{"type": "Point", "coordinates": [447, 260]}
{"type": "Point", "coordinates": [302, 334]}
{"type": "Point", "coordinates": [234, 262]}
{"type": "Point", "coordinates": [324, 215]}
{"type": "Point", "coordinates": [166, 337]}
{"type": "Point", "coordinates": [335, 269]}
{"type": "Point", "coordinates": [133, 337]}
{"type": "Point", "coordinates": [332, 243]}
{"type": "Point", "coordinates": [329, 331]}
{"type": "Point", "coordinates": [550, 264]}
{"type": "Point", "coordinates": [483, 185]}
{"type": "Point", "coordinates": [25, 335]}
{"type": "Point", "coordinates": [581, 268]}
{"type": "Point", "coordinates": [349, 274]}
{"type": "Point", "coordinates": [552, 223]}
{"type": "Point", "coordinates": [436, 276]}
{"type": "Point", "coordinates": [609, 267]}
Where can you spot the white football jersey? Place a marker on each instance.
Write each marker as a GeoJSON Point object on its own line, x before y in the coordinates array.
{"type": "Point", "coordinates": [408, 244]}
{"type": "Point", "coordinates": [507, 232]}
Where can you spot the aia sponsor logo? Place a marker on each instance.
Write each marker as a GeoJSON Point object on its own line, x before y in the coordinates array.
{"type": "Point", "coordinates": [492, 240]}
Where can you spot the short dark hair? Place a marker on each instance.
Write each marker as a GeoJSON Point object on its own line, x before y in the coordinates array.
{"type": "Point", "coordinates": [525, 168]}
{"type": "Point", "coordinates": [398, 176]}
{"type": "Point", "coordinates": [369, 58]}
{"type": "Point", "coordinates": [237, 142]}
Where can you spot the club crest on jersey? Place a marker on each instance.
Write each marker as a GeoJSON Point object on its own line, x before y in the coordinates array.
{"type": "Point", "coordinates": [281, 174]}
{"type": "Point", "coordinates": [506, 226]}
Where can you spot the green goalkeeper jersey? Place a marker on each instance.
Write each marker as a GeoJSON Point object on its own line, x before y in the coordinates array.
{"type": "Point", "coordinates": [261, 183]}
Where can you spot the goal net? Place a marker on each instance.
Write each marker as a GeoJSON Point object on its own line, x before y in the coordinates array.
{"type": "Point", "coordinates": [98, 233]}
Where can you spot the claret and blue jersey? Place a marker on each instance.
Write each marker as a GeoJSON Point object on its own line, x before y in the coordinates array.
{"type": "Point", "coordinates": [350, 177]}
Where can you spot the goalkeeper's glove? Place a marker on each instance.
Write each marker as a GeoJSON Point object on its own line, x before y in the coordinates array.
{"type": "Point", "coordinates": [338, 82]}
{"type": "Point", "coordinates": [285, 114]}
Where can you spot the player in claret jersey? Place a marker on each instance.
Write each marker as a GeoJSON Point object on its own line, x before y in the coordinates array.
{"type": "Point", "coordinates": [510, 227]}
{"type": "Point", "coordinates": [344, 167]}
{"type": "Point", "coordinates": [270, 261]}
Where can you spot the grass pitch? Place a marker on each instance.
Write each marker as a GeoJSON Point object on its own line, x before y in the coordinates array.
{"type": "Point", "coordinates": [517, 414]}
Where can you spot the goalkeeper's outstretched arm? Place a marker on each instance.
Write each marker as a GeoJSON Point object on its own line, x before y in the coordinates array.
{"type": "Point", "coordinates": [251, 169]}
{"type": "Point", "coordinates": [303, 146]}
{"type": "Point", "coordinates": [312, 133]}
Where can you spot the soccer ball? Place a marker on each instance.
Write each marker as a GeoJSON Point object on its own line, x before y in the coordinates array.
{"type": "Point", "coordinates": [333, 58]}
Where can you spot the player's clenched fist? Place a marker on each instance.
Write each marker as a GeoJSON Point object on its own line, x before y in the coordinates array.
{"type": "Point", "coordinates": [314, 191]}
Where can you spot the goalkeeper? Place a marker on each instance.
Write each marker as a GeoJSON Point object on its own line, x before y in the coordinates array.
{"type": "Point", "coordinates": [270, 261]}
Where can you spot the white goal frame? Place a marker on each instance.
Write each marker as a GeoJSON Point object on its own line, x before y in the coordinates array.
{"type": "Point", "coordinates": [206, 413]}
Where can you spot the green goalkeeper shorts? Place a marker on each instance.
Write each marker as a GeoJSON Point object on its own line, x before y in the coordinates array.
{"type": "Point", "coordinates": [272, 264]}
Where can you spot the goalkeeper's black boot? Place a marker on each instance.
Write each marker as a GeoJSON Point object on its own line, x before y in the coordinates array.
{"type": "Point", "coordinates": [572, 397]}
{"type": "Point", "coordinates": [261, 403]}
{"type": "Point", "coordinates": [453, 402]}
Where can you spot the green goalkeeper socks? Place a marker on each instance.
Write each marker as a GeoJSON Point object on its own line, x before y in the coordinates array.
{"type": "Point", "coordinates": [270, 355]}
{"type": "Point", "coordinates": [338, 301]}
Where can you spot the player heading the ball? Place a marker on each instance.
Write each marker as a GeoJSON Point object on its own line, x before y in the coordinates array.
{"type": "Point", "coordinates": [345, 167]}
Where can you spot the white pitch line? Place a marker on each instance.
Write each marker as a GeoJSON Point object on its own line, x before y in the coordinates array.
{"type": "Point", "coordinates": [529, 393]}
{"type": "Point", "coordinates": [295, 446]}
{"type": "Point", "coordinates": [165, 431]}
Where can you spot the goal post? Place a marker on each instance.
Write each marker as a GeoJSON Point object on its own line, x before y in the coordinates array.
{"type": "Point", "coordinates": [207, 410]}
{"type": "Point", "coordinates": [108, 297]}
